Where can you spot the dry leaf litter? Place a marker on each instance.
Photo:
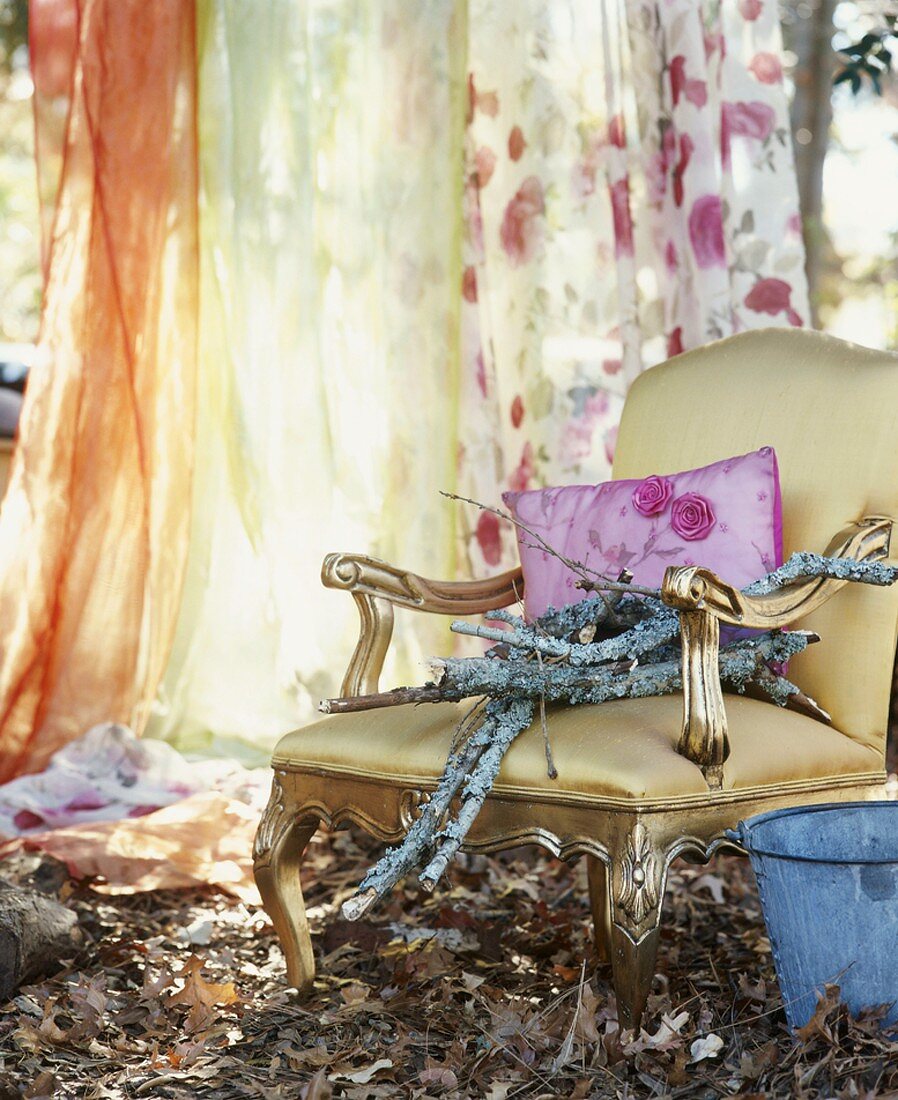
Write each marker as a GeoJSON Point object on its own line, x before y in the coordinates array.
{"type": "Point", "coordinates": [488, 988]}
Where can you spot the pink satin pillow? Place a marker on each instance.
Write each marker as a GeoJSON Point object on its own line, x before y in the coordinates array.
{"type": "Point", "coordinates": [726, 516]}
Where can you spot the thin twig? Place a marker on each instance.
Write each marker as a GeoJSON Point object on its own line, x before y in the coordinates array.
{"type": "Point", "coordinates": [550, 763]}
{"type": "Point", "coordinates": [606, 585]}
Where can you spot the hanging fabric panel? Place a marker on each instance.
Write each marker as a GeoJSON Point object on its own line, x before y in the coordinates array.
{"type": "Point", "coordinates": [630, 193]}
{"type": "Point", "coordinates": [331, 237]}
{"type": "Point", "coordinates": [93, 531]}
{"type": "Point", "coordinates": [439, 242]}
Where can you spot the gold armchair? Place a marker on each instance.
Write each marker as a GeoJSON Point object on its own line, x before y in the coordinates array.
{"type": "Point", "coordinates": [643, 781]}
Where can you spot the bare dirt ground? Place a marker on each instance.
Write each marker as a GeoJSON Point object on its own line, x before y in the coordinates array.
{"type": "Point", "coordinates": [489, 988]}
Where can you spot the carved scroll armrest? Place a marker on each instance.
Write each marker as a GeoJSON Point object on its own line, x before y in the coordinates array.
{"type": "Point", "coordinates": [705, 601]}
{"type": "Point", "coordinates": [377, 586]}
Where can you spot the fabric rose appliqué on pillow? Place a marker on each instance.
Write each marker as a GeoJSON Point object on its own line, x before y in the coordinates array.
{"type": "Point", "coordinates": [651, 497]}
{"type": "Point", "coordinates": [692, 516]}
{"type": "Point", "coordinates": [726, 516]}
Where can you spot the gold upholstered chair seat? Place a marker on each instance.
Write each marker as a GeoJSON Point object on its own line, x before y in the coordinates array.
{"type": "Point", "coordinates": [623, 749]}
{"type": "Point", "coordinates": [643, 782]}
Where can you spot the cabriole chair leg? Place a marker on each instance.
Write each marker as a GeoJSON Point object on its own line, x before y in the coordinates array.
{"type": "Point", "coordinates": [281, 841]}
{"type": "Point", "coordinates": [633, 966]}
{"type": "Point", "coordinates": [637, 877]}
{"type": "Point", "coordinates": [601, 912]}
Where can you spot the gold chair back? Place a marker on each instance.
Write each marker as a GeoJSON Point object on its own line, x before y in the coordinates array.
{"type": "Point", "coordinates": [830, 410]}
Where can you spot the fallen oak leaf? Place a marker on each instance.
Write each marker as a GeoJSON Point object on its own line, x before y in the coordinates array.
{"type": "Point", "coordinates": [668, 1036]}
{"type": "Point", "coordinates": [709, 1046]}
{"type": "Point", "coordinates": [42, 1087]}
{"type": "Point", "coordinates": [713, 884]}
{"type": "Point", "coordinates": [363, 1076]}
{"type": "Point", "coordinates": [438, 1075]}
{"type": "Point", "coordinates": [818, 1024]}
{"type": "Point", "coordinates": [200, 995]}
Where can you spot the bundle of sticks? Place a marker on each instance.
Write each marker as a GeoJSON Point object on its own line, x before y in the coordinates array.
{"type": "Point", "coordinates": [621, 642]}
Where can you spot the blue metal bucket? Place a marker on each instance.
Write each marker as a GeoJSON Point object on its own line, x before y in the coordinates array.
{"type": "Point", "coordinates": [828, 882]}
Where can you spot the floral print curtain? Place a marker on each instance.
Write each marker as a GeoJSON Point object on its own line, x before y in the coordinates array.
{"type": "Point", "coordinates": [629, 193]}
{"type": "Point", "coordinates": [436, 244]}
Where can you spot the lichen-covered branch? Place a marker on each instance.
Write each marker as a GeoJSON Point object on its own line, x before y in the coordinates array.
{"type": "Point", "coordinates": [460, 677]}
{"type": "Point", "coordinates": [619, 645]}
{"type": "Point", "coordinates": [517, 716]}
{"type": "Point", "coordinates": [661, 628]}
{"type": "Point", "coordinates": [803, 564]}
{"type": "Point", "coordinates": [397, 862]}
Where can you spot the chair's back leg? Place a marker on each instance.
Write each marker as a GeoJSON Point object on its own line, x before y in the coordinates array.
{"type": "Point", "coordinates": [601, 912]}
{"type": "Point", "coordinates": [281, 841]}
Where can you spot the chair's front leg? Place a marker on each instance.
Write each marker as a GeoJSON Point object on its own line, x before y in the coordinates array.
{"type": "Point", "coordinates": [281, 841]}
{"type": "Point", "coordinates": [637, 875]}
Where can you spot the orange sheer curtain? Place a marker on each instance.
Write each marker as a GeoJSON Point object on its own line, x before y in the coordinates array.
{"type": "Point", "coordinates": [94, 527]}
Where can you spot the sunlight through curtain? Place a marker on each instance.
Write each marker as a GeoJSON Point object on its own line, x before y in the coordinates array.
{"type": "Point", "coordinates": [436, 244]}
{"type": "Point", "coordinates": [93, 531]}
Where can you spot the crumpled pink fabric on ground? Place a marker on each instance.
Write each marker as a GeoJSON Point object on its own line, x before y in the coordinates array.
{"type": "Point", "coordinates": [203, 840]}
{"type": "Point", "coordinates": [138, 815]}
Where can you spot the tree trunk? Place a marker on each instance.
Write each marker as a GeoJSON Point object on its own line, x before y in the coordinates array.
{"type": "Point", "coordinates": [808, 33]}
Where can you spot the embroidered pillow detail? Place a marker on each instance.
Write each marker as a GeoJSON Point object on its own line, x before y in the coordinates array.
{"type": "Point", "coordinates": [726, 516]}
{"type": "Point", "coordinates": [650, 497]}
{"type": "Point", "coordinates": [692, 516]}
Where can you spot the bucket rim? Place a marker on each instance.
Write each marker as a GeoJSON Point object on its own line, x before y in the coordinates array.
{"type": "Point", "coordinates": [745, 829]}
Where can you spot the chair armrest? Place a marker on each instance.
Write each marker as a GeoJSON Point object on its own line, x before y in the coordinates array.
{"type": "Point", "coordinates": [377, 586]}
{"type": "Point", "coordinates": [705, 601]}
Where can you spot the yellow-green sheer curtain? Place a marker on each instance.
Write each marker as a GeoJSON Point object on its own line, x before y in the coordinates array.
{"type": "Point", "coordinates": [330, 265]}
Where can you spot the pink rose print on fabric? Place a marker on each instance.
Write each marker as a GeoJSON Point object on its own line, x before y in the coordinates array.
{"type": "Point", "coordinates": [487, 102]}
{"type": "Point", "coordinates": [752, 120]}
{"type": "Point", "coordinates": [485, 164]}
{"type": "Point", "coordinates": [610, 444]}
{"type": "Point", "coordinates": [516, 143]}
{"type": "Point", "coordinates": [659, 165]}
{"type": "Point", "coordinates": [521, 231]}
{"type": "Point", "coordinates": [519, 481]}
{"type": "Point", "coordinates": [773, 296]}
{"type": "Point", "coordinates": [576, 440]}
{"type": "Point", "coordinates": [687, 146]}
{"type": "Point", "coordinates": [652, 495]}
{"type": "Point", "coordinates": [469, 285]}
{"type": "Point", "coordinates": [480, 372]}
{"type": "Point", "coordinates": [750, 9]}
{"type": "Point", "coordinates": [675, 342]}
{"type": "Point", "coordinates": [517, 411]}
{"type": "Point", "coordinates": [623, 223]}
{"type": "Point", "coordinates": [671, 261]}
{"type": "Point", "coordinates": [714, 42]}
{"type": "Point", "coordinates": [616, 133]}
{"type": "Point", "coordinates": [692, 516]}
{"type": "Point", "coordinates": [766, 68]}
{"type": "Point", "coordinates": [473, 216]}
{"type": "Point", "coordinates": [27, 819]}
{"type": "Point", "coordinates": [706, 231]}
{"type": "Point", "coordinates": [489, 538]}
{"type": "Point", "coordinates": [696, 91]}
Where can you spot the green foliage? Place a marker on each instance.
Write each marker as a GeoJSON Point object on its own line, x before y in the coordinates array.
{"type": "Point", "coordinates": [871, 57]}
{"type": "Point", "coordinates": [13, 34]}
